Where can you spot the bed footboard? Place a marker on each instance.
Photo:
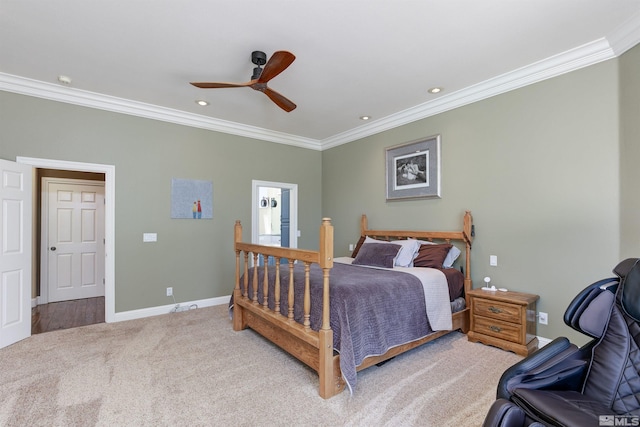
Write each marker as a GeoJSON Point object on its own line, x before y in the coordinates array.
{"type": "Point", "coordinates": [314, 348]}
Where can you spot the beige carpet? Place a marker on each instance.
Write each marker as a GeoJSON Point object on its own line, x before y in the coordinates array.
{"type": "Point", "coordinates": [184, 368]}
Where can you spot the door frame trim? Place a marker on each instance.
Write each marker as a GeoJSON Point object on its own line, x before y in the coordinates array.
{"type": "Point", "coordinates": [43, 298]}
{"type": "Point", "coordinates": [109, 218]}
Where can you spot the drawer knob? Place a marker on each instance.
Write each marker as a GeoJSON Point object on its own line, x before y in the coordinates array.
{"type": "Point", "coordinates": [495, 309]}
{"type": "Point", "coordinates": [495, 328]}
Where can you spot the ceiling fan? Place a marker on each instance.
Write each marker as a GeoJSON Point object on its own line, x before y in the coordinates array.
{"type": "Point", "coordinates": [278, 62]}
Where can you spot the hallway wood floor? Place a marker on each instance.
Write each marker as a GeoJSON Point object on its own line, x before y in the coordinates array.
{"type": "Point", "coordinates": [67, 314]}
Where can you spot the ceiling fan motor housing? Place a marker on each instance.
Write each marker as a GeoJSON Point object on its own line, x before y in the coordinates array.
{"type": "Point", "coordinates": [259, 58]}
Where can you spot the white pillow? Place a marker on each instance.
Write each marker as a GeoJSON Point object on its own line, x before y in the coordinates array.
{"type": "Point", "coordinates": [407, 253]}
{"type": "Point", "coordinates": [451, 257]}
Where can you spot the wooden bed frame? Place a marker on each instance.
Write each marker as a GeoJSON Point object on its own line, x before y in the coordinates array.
{"type": "Point", "coordinates": [315, 348]}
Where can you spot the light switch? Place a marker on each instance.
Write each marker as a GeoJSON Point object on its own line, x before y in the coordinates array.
{"type": "Point", "coordinates": [149, 237]}
{"type": "Point", "coordinates": [493, 260]}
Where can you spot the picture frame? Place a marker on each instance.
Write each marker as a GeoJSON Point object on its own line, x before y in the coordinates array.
{"type": "Point", "coordinates": [413, 169]}
{"type": "Point", "coordinates": [191, 199]}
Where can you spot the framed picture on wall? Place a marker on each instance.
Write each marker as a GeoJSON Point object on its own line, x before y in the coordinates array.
{"type": "Point", "coordinates": [413, 169]}
{"type": "Point", "coordinates": [191, 199]}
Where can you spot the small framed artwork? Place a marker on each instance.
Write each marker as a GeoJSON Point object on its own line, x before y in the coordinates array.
{"type": "Point", "coordinates": [413, 169]}
{"type": "Point", "coordinates": [191, 199]}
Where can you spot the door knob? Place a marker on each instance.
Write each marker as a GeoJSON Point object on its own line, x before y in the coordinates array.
{"type": "Point", "coordinates": [53, 248]}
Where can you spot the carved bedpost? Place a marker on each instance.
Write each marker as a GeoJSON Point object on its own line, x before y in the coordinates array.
{"type": "Point", "coordinates": [326, 263]}
{"type": "Point", "coordinates": [467, 231]}
{"type": "Point", "coordinates": [329, 380]}
{"type": "Point", "coordinates": [237, 311]}
{"type": "Point", "coordinates": [467, 227]}
{"type": "Point", "coordinates": [364, 226]}
{"type": "Point", "coordinates": [237, 238]}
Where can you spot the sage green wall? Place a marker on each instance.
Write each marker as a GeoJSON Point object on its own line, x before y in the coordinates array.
{"type": "Point", "coordinates": [630, 153]}
{"type": "Point", "coordinates": [538, 169]}
{"type": "Point", "coordinates": [195, 257]}
{"type": "Point", "coordinates": [548, 172]}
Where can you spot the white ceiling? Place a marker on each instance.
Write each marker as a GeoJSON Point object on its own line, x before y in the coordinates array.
{"type": "Point", "coordinates": [353, 57]}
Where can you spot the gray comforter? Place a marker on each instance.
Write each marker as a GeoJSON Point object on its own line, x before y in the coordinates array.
{"type": "Point", "coordinates": [371, 310]}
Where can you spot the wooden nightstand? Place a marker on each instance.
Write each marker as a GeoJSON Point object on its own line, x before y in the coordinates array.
{"type": "Point", "coordinates": [504, 319]}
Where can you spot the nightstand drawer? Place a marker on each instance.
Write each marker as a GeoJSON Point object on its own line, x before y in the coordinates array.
{"type": "Point", "coordinates": [497, 310]}
{"type": "Point", "coordinates": [497, 328]}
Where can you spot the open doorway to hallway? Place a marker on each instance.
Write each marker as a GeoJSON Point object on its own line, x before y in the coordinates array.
{"type": "Point", "coordinates": [274, 214]}
{"type": "Point", "coordinates": [70, 265]}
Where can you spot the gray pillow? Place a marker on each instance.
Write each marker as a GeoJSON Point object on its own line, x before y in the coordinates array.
{"type": "Point", "coordinates": [408, 250]}
{"type": "Point", "coordinates": [377, 254]}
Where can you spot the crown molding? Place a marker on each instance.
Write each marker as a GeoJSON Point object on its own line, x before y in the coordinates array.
{"type": "Point", "coordinates": [626, 35]}
{"type": "Point", "coordinates": [580, 57]}
{"type": "Point", "coordinates": [622, 39]}
{"type": "Point", "coordinates": [54, 92]}
{"type": "Point", "coordinates": [615, 44]}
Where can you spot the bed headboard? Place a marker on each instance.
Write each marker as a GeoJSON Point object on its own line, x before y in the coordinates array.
{"type": "Point", "coordinates": [463, 237]}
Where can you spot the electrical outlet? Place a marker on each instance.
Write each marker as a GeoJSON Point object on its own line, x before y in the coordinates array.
{"type": "Point", "coordinates": [169, 291]}
{"type": "Point", "coordinates": [543, 318]}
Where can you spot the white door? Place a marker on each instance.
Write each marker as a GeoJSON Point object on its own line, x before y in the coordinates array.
{"type": "Point", "coordinates": [75, 239]}
{"type": "Point", "coordinates": [15, 253]}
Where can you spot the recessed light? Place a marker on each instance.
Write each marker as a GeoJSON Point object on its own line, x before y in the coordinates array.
{"type": "Point", "coordinates": [365, 117]}
{"type": "Point", "coordinates": [435, 90]}
{"type": "Point", "coordinates": [202, 103]}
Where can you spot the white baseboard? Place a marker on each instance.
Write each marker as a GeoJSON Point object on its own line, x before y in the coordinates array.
{"type": "Point", "coordinates": [166, 309]}
{"type": "Point", "coordinates": [542, 341]}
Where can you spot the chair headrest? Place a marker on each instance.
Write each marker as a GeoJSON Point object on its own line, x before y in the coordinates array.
{"type": "Point", "coordinates": [629, 289]}
{"type": "Point", "coordinates": [622, 269]}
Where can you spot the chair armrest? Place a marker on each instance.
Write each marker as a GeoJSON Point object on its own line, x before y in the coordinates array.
{"type": "Point", "coordinates": [506, 414]}
{"type": "Point", "coordinates": [558, 364]}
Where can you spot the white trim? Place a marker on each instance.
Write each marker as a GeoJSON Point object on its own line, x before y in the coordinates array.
{"type": "Point", "coordinates": [293, 209]}
{"type": "Point", "coordinates": [69, 95]}
{"type": "Point", "coordinates": [619, 41]}
{"type": "Point", "coordinates": [626, 35]}
{"type": "Point", "coordinates": [589, 54]}
{"type": "Point", "coordinates": [166, 309]}
{"type": "Point", "coordinates": [109, 219]}
{"type": "Point", "coordinates": [542, 341]}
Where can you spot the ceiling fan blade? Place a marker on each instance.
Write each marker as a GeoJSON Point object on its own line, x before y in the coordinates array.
{"type": "Point", "coordinates": [214, 85]}
{"type": "Point", "coordinates": [278, 62]}
{"type": "Point", "coordinates": [280, 100]}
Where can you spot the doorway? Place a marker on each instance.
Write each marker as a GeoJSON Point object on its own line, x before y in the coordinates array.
{"type": "Point", "coordinates": [274, 214]}
{"type": "Point", "coordinates": [71, 238]}
{"type": "Point", "coordinates": [108, 172]}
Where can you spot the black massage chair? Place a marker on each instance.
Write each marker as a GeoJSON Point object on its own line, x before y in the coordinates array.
{"type": "Point", "coordinates": [597, 384]}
